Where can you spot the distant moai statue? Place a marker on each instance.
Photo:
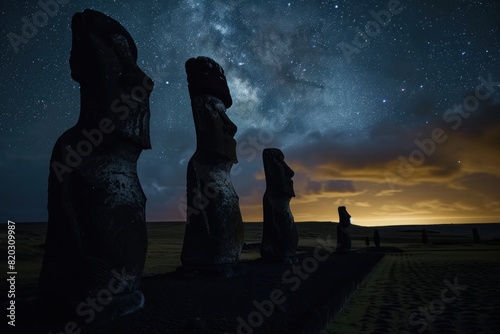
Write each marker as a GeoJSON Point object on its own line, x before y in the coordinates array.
{"type": "Point", "coordinates": [376, 238]}
{"type": "Point", "coordinates": [475, 235]}
{"type": "Point", "coordinates": [214, 231]}
{"type": "Point", "coordinates": [367, 241]}
{"type": "Point", "coordinates": [425, 239]}
{"type": "Point", "coordinates": [343, 235]}
{"type": "Point", "coordinates": [96, 234]}
{"type": "Point", "coordinates": [279, 236]}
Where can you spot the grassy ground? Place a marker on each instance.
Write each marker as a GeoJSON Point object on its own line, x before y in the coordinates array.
{"type": "Point", "coordinates": [165, 243]}
{"type": "Point", "coordinates": [404, 293]}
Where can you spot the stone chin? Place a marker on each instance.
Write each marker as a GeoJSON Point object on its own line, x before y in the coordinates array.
{"type": "Point", "coordinates": [225, 151]}
{"type": "Point", "coordinates": [289, 188]}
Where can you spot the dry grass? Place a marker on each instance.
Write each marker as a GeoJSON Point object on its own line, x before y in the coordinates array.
{"type": "Point", "coordinates": [399, 287]}
{"type": "Point", "coordinates": [403, 287]}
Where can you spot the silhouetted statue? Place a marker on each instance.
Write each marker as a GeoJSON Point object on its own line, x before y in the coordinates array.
{"type": "Point", "coordinates": [343, 236]}
{"type": "Point", "coordinates": [475, 235]}
{"type": "Point", "coordinates": [279, 236]}
{"type": "Point", "coordinates": [214, 229]}
{"type": "Point", "coordinates": [376, 238]}
{"type": "Point", "coordinates": [96, 240]}
{"type": "Point", "coordinates": [367, 241]}
{"type": "Point", "coordinates": [425, 239]}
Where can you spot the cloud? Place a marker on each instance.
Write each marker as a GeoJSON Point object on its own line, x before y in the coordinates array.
{"type": "Point", "coordinates": [387, 192]}
{"type": "Point", "coordinates": [332, 186]}
{"type": "Point", "coordinates": [410, 156]}
{"type": "Point", "coordinates": [363, 204]}
{"type": "Point", "coordinates": [493, 206]}
{"type": "Point", "coordinates": [434, 207]}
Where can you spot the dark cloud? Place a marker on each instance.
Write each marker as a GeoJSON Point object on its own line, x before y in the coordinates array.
{"type": "Point", "coordinates": [337, 186]}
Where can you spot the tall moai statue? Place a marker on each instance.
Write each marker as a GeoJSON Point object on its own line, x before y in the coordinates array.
{"type": "Point", "coordinates": [343, 235]}
{"type": "Point", "coordinates": [425, 238]}
{"type": "Point", "coordinates": [475, 236]}
{"type": "Point", "coordinates": [214, 231]}
{"type": "Point", "coordinates": [96, 239]}
{"type": "Point", "coordinates": [279, 236]}
{"type": "Point", "coordinates": [376, 238]}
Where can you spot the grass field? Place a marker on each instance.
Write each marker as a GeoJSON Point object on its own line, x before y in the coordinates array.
{"type": "Point", "coordinates": [411, 292]}
{"type": "Point", "coordinates": [403, 294]}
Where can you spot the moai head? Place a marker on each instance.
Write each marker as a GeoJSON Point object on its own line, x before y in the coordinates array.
{"type": "Point", "coordinates": [278, 174]}
{"type": "Point", "coordinates": [210, 97]}
{"type": "Point", "coordinates": [103, 60]}
{"type": "Point", "coordinates": [344, 216]}
{"type": "Point", "coordinates": [206, 77]}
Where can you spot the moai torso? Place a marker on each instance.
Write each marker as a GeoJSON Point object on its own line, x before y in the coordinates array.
{"type": "Point", "coordinates": [279, 235]}
{"type": "Point", "coordinates": [96, 233]}
{"type": "Point", "coordinates": [214, 229]}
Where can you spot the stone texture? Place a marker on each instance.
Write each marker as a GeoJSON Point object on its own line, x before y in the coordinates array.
{"type": "Point", "coordinates": [475, 235]}
{"type": "Point", "coordinates": [376, 238]}
{"type": "Point", "coordinates": [425, 238]}
{"type": "Point", "coordinates": [214, 230]}
{"type": "Point", "coordinates": [96, 235]}
{"type": "Point", "coordinates": [279, 237]}
{"type": "Point", "coordinates": [343, 235]}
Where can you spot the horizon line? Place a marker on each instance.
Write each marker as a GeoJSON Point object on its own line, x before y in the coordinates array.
{"type": "Point", "coordinates": [297, 222]}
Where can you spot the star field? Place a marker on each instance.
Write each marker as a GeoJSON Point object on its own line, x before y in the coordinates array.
{"type": "Point", "coordinates": [291, 83]}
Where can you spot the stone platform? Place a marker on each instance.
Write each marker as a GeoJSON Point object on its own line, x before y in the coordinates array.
{"type": "Point", "coordinates": [258, 298]}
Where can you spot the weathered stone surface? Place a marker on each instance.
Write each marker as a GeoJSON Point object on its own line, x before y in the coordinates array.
{"type": "Point", "coordinates": [214, 229]}
{"type": "Point", "coordinates": [96, 235]}
{"type": "Point", "coordinates": [475, 236]}
{"type": "Point", "coordinates": [343, 235]}
{"type": "Point", "coordinates": [279, 237]}
{"type": "Point", "coordinates": [376, 238]}
{"type": "Point", "coordinates": [425, 238]}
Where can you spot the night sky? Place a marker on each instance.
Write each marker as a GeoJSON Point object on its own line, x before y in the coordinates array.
{"type": "Point", "coordinates": [398, 120]}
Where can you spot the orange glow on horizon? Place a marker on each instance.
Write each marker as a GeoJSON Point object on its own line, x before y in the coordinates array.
{"type": "Point", "coordinates": [372, 222]}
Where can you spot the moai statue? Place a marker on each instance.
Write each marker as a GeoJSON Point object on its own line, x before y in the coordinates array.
{"type": "Point", "coordinates": [279, 236]}
{"type": "Point", "coordinates": [425, 239]}
{"type": "Point", "coordinates": [475, 236]}
{"type": "Point", "coordinates": [214, 230]}
{"type": "Point", "coordinates": [343, 235]}
{"type": "Point", "coordinates": [96, 240]}
{"type": "Point", "coordinates": [376, 238]}
{"type": "Point", "coordinates": [367, 241]}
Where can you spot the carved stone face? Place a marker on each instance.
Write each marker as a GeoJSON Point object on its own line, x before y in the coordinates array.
{"type": "Point", "coordinates": [344, 216]}
{"type": "Point", "coordinates": [214, 130]}
{"type": "Point", "coordinates": [103, 60]}
{"type": "Point", "coordinates": [278, 173]}
{"type": "Point", "coordinates": [210, 97]}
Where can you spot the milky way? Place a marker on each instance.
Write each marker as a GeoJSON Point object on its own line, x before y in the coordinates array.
{"type": "Point", "coordinates": [292, 83]}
